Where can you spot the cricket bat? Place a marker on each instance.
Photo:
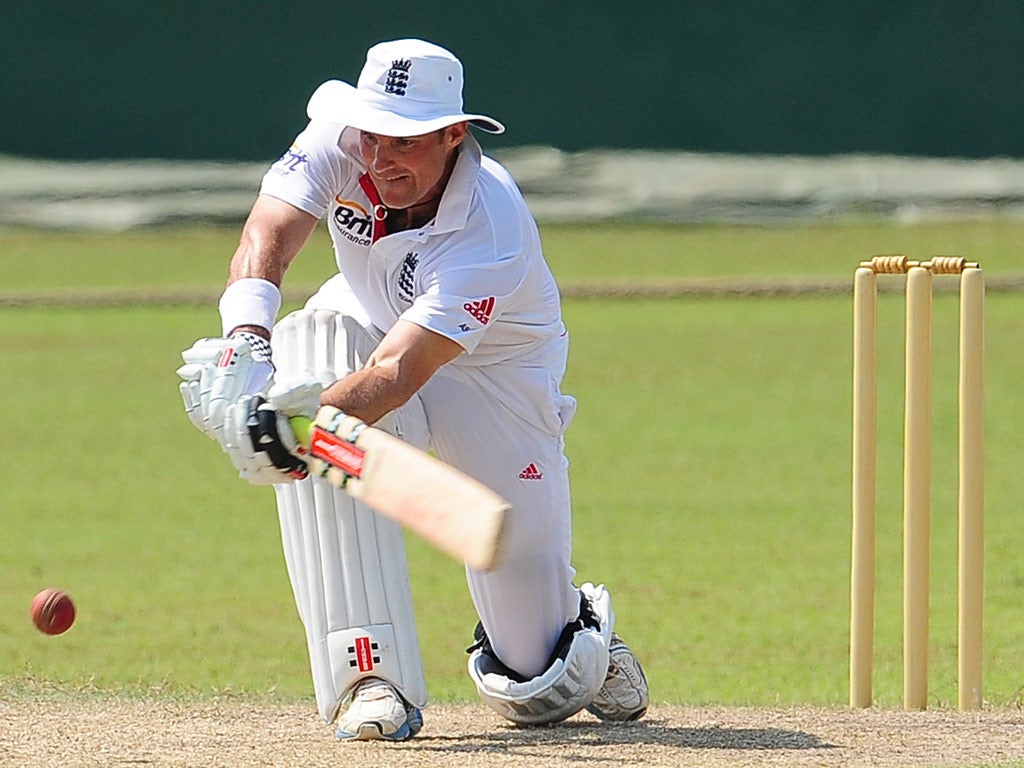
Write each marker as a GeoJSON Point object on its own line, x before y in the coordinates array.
{"type": "Point", "coordinates": [447, 508]}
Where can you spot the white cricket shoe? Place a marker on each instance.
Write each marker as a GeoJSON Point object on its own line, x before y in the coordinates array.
{"type": "Point", "coordinates": [624, 694]}
{"type": "Point", "coordinates": [377, 711]}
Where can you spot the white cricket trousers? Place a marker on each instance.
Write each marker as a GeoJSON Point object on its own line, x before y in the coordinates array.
{"type": "Point", "coordinates": [525, 603]}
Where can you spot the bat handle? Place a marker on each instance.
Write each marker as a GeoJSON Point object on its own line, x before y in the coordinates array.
{"type": "Point", "coordinates": [302, 426]}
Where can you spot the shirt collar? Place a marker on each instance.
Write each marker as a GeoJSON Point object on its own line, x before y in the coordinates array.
{"type": "Point", "coordinates": [453, 212]}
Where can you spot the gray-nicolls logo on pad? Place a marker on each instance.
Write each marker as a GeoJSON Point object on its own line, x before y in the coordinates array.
{"type": "Point", "coordinates": [398, 77]}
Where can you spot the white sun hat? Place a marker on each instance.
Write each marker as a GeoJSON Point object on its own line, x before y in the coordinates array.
{"type": "Point", "coordinates": [406, 88]}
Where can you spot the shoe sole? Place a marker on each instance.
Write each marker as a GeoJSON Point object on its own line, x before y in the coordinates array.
{"type": "Point", "coordinates": [602, 716]}
{"type": "Point", "coordinates": [618, 645]}
{"type": "Point", "coordinates": [371, 730]}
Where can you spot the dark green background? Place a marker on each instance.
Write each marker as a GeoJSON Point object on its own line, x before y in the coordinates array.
{"type": "Point", "coordinates": [230, 79]}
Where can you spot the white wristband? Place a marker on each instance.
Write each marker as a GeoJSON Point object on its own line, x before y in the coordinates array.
{"type": "Point", "coordinates": [249, 301]}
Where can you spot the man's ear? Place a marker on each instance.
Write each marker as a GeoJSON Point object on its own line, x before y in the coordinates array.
{"type": "Point", "coordinates": [456, 133]}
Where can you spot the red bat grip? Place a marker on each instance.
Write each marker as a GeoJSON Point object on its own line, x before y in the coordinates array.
{"type": "Point", "coordinates": [329, 447]}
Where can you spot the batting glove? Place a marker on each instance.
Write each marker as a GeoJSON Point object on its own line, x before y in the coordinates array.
{"type": "Point", "coordinates": [261, 444]}
{"type": "Point", "coordinates": [258, 437]}
{"type": "Point", "coordinates": [217, 373]}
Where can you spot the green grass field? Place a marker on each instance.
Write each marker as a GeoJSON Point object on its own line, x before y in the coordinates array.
{"type": "Point", "coordinates": [710, 462]}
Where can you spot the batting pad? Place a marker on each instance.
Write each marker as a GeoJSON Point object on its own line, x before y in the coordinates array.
{"type": "Point", "coordinates": [347, 565]}
{"type": "Point", "coordinates": [567, 686]}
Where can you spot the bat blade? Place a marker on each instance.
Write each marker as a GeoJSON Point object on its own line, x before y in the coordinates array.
{"type": "Point", "coordinates": [448, 509]}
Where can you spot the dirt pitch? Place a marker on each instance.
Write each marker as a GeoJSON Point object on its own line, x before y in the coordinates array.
{"type": "Point", "coordinates": [230, 734]}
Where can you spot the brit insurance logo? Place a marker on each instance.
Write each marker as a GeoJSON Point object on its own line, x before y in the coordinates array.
{"type": "Point", "coordinates": [292, 160]}
{"type": "Point", "coordinates": [353, 221]}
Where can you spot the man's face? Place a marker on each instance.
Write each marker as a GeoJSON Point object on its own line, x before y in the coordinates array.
{"type": "Point", "coordinates": [411, 169]}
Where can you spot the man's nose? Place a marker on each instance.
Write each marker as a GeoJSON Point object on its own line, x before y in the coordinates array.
{"type": "Point", "coordinates": [381, 160]}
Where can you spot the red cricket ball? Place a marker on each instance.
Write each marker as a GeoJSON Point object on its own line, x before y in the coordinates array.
{"type": "Point", "coordinates": [52, 611]}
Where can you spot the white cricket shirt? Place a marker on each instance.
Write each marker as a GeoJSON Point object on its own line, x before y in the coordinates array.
{"type": "Point", "coordinates": [475, 274]}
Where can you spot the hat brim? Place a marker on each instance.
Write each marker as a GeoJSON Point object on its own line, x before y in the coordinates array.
{"type": "Point", "coordinates": [339, 102]}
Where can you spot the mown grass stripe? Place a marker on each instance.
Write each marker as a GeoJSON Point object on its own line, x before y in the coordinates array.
{"type": "Point", "coordinates": [668, 288]}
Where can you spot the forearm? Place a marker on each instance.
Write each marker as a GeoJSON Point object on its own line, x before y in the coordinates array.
{"type": "Point", "coordinates": [256, 258]}
{"type": "Point", "coordinates": [273, 235]}
{"type": "Point", "coordinates": [262, 252]}
{"type": "Point", "coordinates": [402, 363]}
{"type": "Point", "coordinates": [368, 394]}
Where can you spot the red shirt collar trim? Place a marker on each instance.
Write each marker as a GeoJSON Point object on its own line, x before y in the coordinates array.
{"type": "Point", "coordinates": [377, 210]}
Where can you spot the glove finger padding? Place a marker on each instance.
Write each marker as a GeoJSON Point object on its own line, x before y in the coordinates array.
{"type": "Point", "coordinates": [217, 372]}
{"type": "Point", "coordinates": [237, 373]}
{"type": "Point", "coordinates": [205, 351]}
{"type": "Point", "coordinates": [298, 395]}
{"type": "Point", "coordinates": [191, 396]}
{"type": "Point", "coordinates": [261, 444]}
{"type": "Point", "coordinates": [197, 378]}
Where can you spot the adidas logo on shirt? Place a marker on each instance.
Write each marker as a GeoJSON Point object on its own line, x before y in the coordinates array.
{"type": "Point", "coordinates": [481, 309]}
{"type": "Point", "coordinates": [531, 473]}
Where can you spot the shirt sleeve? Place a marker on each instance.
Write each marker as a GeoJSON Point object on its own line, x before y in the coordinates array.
{"type": "Point", "coordinates": [465, 302]}
{"type": "Point", "coordinates": [311, 172]}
